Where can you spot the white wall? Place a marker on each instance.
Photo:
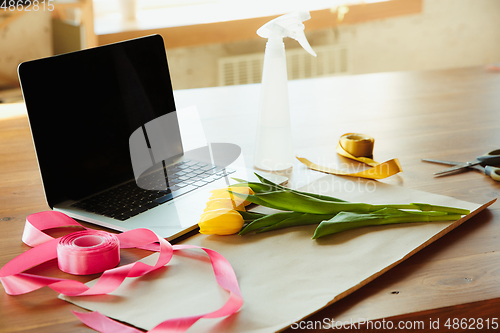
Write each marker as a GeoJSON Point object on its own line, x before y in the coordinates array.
{"type": "Point", "coordinates": [448, 33]}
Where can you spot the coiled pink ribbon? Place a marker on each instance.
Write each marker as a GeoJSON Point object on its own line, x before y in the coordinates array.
{"type": "Point", "coordinates": [88, 252]}
{"type": "Point", "coordinates": [15, 282]}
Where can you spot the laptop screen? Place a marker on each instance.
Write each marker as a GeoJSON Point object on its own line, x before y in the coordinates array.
{"type": "Point", "coordinates": [83, 107]}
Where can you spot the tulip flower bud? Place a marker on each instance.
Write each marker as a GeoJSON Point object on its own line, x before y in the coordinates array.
{"type": "Point", "coordinates": [224, 194]}
{"type": "Point", "coordinates": [222, 221]}
{"type": "Point", "coordinates": [223, 203]}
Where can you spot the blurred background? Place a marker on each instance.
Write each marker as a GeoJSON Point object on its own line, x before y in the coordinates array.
{"type": "Point", "coordinates": [213, 42]}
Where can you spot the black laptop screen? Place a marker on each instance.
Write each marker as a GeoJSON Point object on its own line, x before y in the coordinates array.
{"type": "Point", "coordinates": [83, 107]}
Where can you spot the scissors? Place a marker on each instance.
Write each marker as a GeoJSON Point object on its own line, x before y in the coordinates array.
{"type": "Point", "coordinates": [486, 162]}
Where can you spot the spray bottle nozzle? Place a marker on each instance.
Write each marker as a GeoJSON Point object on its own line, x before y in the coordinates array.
{"type": "Point", "coordinates": [288, 25]}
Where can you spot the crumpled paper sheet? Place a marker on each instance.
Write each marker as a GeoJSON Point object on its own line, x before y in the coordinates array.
{"type": "Point", "coordinates": [284, 275]}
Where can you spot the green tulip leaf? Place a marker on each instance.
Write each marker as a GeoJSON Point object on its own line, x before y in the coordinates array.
{"type": "Point", "coordinates": [266, 221]}
{"type": "Point", "coordinates": [251, 215]}
{"type": "Point", "coordinates": [350, 220]}
{"type": "Point", "coordinates": [256, 187]}
{"type": "Point", "coordinates": [254, 199]}
{"type": "Point", "coordinates": [317, 196]}
{"type": "Point", "coordinates": [302, 219]}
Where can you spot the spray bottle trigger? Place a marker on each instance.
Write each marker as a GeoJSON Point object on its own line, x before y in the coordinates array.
{"type": "Point", "coordinates": [301, 38]}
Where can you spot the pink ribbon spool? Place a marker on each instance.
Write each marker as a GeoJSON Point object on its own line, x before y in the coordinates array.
{"type": "Point", "coordinates": [15, 282]}
{"type": "Point", "coordinates": [88, 252]}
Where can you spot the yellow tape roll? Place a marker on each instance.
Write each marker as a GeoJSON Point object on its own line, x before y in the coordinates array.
{"type": "Point", "coordinates": [359, 147]}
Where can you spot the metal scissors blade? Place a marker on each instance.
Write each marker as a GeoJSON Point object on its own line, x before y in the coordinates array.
{"type": "Point", "coordinates": [441, 161]}
{"type": "Point", "coordinates": [485, 163]}
{"type": "Point", "coordinates": [458, 167]}
{"type": "Point", "coordinates": [491, 158]}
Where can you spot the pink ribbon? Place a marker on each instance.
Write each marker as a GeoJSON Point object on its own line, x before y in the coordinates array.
{"type": "Point", "coordinates": [88, 252]}
{"type": "Point", "coordinates": [15, 282]}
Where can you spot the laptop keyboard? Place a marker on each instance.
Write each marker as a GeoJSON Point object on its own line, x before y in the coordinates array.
{"type": "Point", "coordinates": [128, 200]}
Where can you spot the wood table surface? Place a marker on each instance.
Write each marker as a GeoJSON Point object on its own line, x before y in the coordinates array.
{"type": "Point", "coordinates": [448, 114]}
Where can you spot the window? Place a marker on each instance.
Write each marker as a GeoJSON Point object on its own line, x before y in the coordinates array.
{"type": "Point", "coordinates": [215, 10]}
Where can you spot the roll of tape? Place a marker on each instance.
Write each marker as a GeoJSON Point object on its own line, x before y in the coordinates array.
{"type": "Point", "coordinates": [88, 252]}
{"type": "Point", "coordinates": [358, 145]}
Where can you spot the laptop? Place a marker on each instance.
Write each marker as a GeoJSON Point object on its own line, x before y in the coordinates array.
{"type": "Point", "coordinates": [108, 141]}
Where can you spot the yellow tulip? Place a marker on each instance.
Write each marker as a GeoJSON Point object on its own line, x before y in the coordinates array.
{"type": "Point", "coordinates": [222, 221]}
{"type": "Point", "coordinates": [223, 203]}
{"type": "Point", "coordinates": [224, 194]}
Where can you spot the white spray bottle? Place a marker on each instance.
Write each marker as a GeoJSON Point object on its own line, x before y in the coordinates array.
{"type": "Point", "coordinates": [273, 149]}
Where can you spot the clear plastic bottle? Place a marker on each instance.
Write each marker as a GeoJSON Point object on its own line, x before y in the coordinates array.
{"type": "Point", "coordinates": [273, 149]}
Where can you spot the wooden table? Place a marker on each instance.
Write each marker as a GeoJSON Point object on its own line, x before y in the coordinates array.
{"type": "Point", "coordinates": [448, 114]}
